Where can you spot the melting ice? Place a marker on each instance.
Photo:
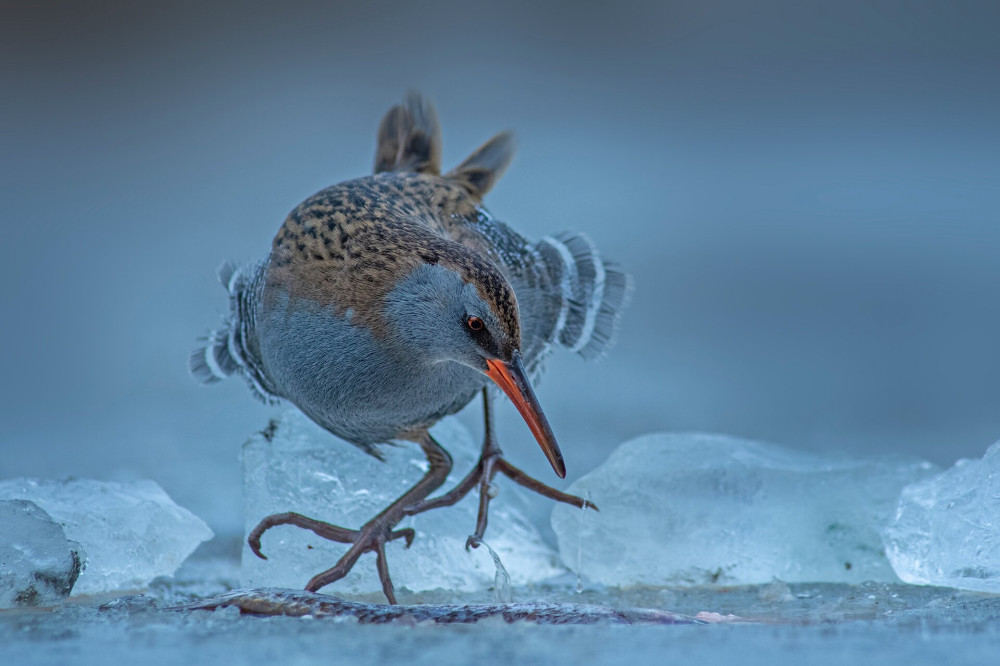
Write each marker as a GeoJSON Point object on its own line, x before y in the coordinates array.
{"type": "Point", "coordinates": [38, 565]}
{"type": "Point", "coordinates": [297, 466]}
{"type": "Point", "coordinates": [946, 529]}
{"type": "Point", "coordinates": [681, 509]}
{"type": "Point", "coordinates": [131, 532]}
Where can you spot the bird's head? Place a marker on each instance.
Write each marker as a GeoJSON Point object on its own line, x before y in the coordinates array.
{"type": "Point", "coordinates": [464, 311]}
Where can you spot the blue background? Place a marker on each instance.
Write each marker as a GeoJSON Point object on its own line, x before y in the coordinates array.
{"type": "Point", "coordinates": [806, 195]}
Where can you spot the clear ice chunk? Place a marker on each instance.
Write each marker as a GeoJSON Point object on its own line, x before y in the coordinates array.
{"type": "Point", "coordinates": [692, 509]}
{"type": "Point", "coordinates": [946, 529]}
{"type": "Point", "coordinates": [297, 466]}
{"type": "Point", "coordinates": [38, 565]}
{"type": "Point", "coordinates": [131, 532]}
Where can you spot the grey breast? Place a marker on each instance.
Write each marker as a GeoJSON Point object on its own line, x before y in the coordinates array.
{"type": "Point", "coordinates": [364, 389]}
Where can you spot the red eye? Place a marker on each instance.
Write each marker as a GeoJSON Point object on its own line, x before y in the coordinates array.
{"type": "Point", "coordinates": [475, 324]}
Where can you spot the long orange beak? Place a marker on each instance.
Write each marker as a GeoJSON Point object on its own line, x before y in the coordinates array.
{"type": "Point", "coordinates": [514, 382]}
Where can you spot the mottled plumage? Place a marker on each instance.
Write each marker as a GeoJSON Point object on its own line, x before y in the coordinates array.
{"type": "Point", "coordinates": [389, 301]}
{"type": "Point", "coordinates": [345, 248]}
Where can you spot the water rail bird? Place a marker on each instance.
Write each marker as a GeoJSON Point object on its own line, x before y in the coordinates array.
{"type": "Point", "coordinates": [390, 301]}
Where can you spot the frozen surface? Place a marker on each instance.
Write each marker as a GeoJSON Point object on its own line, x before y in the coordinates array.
{"type": "Point", "coordinates": [130, 532]}
{"type": "Point", "coordinates": [38, 565]}
{"type": "Point", "coordinates": [946, 529]}
{"type": "Point", "coordinates": [684, 509]}
{"type": "Point", "coordinates": [299, 467]}
{"type": "Point", "coordinates": [775, 624]}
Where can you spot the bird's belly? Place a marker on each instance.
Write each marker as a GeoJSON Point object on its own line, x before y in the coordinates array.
{"type": "Point", "coordinates": [353, 384]}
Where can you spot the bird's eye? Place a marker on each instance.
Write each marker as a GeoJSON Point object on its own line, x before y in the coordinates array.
{"type": "Point", "coordinates": [475, 323]}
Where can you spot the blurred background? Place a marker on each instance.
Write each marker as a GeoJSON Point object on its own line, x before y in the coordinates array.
{"type": "Point", "coordinates": [806, 195]}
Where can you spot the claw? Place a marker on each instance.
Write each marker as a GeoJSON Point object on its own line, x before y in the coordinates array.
{"type": "Point", "coordinates": [407, 533]}
{"type": "Point", "coordinates": [253, 540]}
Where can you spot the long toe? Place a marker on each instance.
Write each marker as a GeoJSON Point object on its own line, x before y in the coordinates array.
{"type": "Point", "coordinates": [531, 483]}
{"type": "Point", "coordinates": [318, 527]}
{"type": "Point", "coordinates": [372, 537]}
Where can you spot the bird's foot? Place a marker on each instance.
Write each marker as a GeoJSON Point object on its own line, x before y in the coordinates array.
{"type": "Point", "coordinates": [490, 463]}
{"type": "Point", "coordinates": [371, 537]}
{"type": "Point", "coordinates": [493, 463]}
{"type": "Point", "coordinates": [374, 534]}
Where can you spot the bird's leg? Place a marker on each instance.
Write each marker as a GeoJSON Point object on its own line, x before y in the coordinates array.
{"type": "Point", "coordinates": [491, 461]}
{"type": "Point", "coordinates": [374, 534]}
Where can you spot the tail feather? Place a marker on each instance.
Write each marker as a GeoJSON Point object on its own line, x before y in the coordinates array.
{"type": "Point", "coordinates": [595, 292]}
{"type": "Point", "coordinates": [409, 138]}
{"type": "Point", "coordinates": [483, 168]}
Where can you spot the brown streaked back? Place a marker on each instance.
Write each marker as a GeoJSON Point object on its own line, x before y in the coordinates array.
{"type": "Point", "coordinates": [348, 245]}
